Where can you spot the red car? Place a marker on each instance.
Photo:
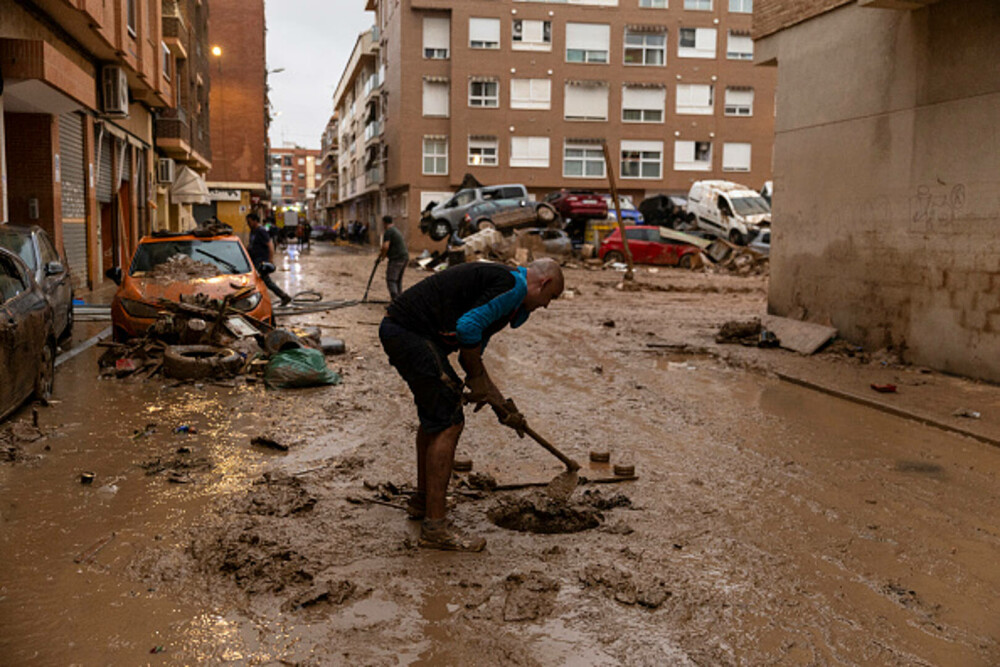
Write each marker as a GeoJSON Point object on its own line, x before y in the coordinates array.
{"type": "Point", "coordinates": [577, 204]}
{"type": "Point", "coordinates": [648, 246]}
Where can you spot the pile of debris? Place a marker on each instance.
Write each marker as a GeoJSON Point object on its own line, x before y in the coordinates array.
{"type": "Point", "coordinates": [180, 268]}
{"type": "Point", "coordinates": [200, 338]}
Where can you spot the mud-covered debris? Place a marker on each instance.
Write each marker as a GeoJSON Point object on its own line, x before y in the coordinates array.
{"type": "Point", "coordinates": [350, 464]}
{"type": "Point", "coordinates": [279, 494]}
{"type": "Point", "coordinates": [540, 514]}
{"type": "Point", "coordinates": [481, 481]}
{"type": "Point", "coordinates": [180, 268]}
{"type": "Point", "coordinates": [598, 500]}
{"type": "Point", "coordinates": [653, 593]}
{"type": "Point", "coordinates": [746, 333]}
{"type": "Point", "coordinates": [625, 587]}
{"type": "Point", "coordinates": [176, 464]}
{"type": "Point", "coordinates": [326, 593]}
{"type": "Point", "coordinates": [967, 413]}
{"type": "Point", "coordinates": [529, 596]}
{"type": "Point", "coordinates": [617, 528]}
{"type": "Point", "coordinates": [271, 441]}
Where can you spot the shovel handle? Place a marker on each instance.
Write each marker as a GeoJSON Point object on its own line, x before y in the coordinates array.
{"type": "Point", "coordinates": [570, 464]}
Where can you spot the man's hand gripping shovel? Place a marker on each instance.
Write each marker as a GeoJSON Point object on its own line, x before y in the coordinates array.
{"type": "Point", "coordinates": [562, 485]}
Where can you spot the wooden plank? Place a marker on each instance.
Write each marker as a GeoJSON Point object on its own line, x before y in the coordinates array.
{"type": "Point", "coordinates": [798, 336]}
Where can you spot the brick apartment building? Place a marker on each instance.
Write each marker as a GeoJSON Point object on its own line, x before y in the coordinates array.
{"type": "Point", "coordinates": [328, 175]}
{"type": "Point", "coordinates": [294, 177]}
{"type": "Point", "coordinates": [81, 81]}
{"type": "Point", "coordinates": [238, 178]}
{"type": "Point", "coordinates": [520, 91]}
{"type": "Point", "coordinates": [886, 173]}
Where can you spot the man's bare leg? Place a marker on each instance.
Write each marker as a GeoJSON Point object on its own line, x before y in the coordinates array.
{"type": "Point", "coordinates": [438, 455]}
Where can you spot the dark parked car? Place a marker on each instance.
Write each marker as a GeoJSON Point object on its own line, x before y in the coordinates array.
{"type": "Point", "coordinates": [577, 204]}
{"type": "Point", "coordinates": [35, 247]}
{"type": "Point", "coordinates": [507, 214]}
{"type": "Point", "coordinates": [648, 246]}
{"type": "Point", "coordinates": [666, 211]}
{"type": "Point", "coordinates": [27, 338]}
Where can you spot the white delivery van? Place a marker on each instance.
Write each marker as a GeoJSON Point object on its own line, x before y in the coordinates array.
{"type": "Point", "coordinates": [728, 210]}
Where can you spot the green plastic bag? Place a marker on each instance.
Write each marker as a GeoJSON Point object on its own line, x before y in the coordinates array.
{"type": "Point", "coordinates": [298, 367]}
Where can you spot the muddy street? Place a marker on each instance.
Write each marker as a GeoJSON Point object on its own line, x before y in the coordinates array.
{"type": "Point", "coordinates": [770, 523]}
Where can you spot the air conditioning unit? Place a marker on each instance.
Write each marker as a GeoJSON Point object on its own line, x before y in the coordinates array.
{"type": "Point", "coordinates": [165, 170]}
{"type": "Point", "coordinates": [114, 100]}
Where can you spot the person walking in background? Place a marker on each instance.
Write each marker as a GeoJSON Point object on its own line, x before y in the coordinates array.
{"type": "Point", "coordinates": [393, 249]}
{"type": "Point", "coordinates": [262, 250]}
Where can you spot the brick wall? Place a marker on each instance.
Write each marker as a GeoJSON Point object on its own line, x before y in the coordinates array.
{"type": "Point", "coordinates": [770, 16]}
{"type": "Point", "coordinates": [29, 144]}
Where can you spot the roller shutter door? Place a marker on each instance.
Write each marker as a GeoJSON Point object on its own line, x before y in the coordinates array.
{"type": "Point", "coordinates": [104, 174]}
{"type": "Point", "coordinates": [73, 174]}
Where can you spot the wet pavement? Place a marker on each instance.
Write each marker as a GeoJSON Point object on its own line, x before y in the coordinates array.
{"type": "Point", "coordinates": [771, 524]}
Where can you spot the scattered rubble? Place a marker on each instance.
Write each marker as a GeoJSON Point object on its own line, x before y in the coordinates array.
{"type": "Point", "coordinates": [623, 586]}
{"type": "Point", "coordinates": [180, 268]}
{"type": "Point", "coordinates": [529, 596]}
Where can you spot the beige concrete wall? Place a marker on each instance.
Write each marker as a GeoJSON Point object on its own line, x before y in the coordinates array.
{"type": "Point", "coordinates": [887, 180]}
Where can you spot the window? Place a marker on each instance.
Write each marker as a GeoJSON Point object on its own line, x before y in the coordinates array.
{"type": "Point", "coordinates": [645, 48]}
{"type": "Point", "coordinates": [703, 5]}
{"type": "Point", "coordinates": [642, 159]}
{"type": "Point", "coordinates": [436, 37]}
{"type": "Point", "coordinates": [483, 151]}
{"type": "Point", "coordinates": [484, 94]}
{"type": "Point", "coordinates": [739, 47]}
{"type": "Point", "coordinates": [735, 157]}
{"type": "Point", "coordinates": [587, 42]}
{"type": "Point", "coordinates": [585, 101]}
{"type": "Point", "coordinates": [484, 33]}
{"type": "Point", "coordinates": [130, 17]}
{"type": "Point", "coordinates": [530, 93]}
{"type": "Point", "coordinates": [287, 160]}
{"type": "Point", "coordinates": [695, 99]}
{"type": "Point", "coordinates": [643, 104]}
{"type": "Point", "coordinates": [302, 160]}
{"type": "Point", "coordinates": [654, 4]}
{"type": "Point", "coordinates": [165, 60]}
{"type": "Point", "coordinates": [529, 151]}
{"type": "Point", "coordinates": [741, 6]}
{"type": "Point", "coordinates": [583, 160]}
{"type": "Point", "coordinates": [435, 98]}
{"type": "Point", "coordinates": [529, 35]}
{"type": "Point", "coordinates": [289, 190]}
{"type": "Point", "coordinates": [696, 43]}
{"type": "Point", "coordinates": [739, 102]}
{"type": "Point", "coordinates": [692, 156]}
{"type": "Point", "coordinates": [435, 155]}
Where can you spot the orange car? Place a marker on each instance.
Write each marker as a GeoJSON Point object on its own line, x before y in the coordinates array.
{"type": "Point", "coordinates": [169, 265]}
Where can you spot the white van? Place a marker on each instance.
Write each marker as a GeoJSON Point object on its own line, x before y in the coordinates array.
{"type": "Point", "coordinates": [728, 210]}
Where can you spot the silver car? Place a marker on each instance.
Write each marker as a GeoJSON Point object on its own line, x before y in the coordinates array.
{"type": "Point", "coordinates": [33, 245]}
{"type": "Point", "coordinates": [445, 219]}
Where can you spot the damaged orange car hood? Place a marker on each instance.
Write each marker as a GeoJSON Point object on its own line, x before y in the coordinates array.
{"type": "Point", "coordinates": [217, 287]}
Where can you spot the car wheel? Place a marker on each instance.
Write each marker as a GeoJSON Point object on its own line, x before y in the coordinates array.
{"type": "Point", "coordinates": [440, 230]}
{"type": "Point", "coordinates": [546, 213]}
{"type": "Point", "coordinates": [613, 256]}
{"type": "Point", "coordinates": [686, 262]}
{"type": "Point", "coordinates": [46, 371]}
{"type": "Point", "coordinates": [737, 238]}
{"type": "Point", "coordinates": [67, 331]}
{"type": "Point", "coordinates": [194, 362]}
{"type": "Point", "coordinates": [485, 223]}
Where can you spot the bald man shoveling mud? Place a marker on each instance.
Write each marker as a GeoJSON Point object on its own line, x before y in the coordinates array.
{"type": "Point", "coordinates": [457, 310]}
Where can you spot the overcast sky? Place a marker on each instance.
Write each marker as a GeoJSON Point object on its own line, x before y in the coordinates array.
{"type": "Point", "coordinates": [312, 40]}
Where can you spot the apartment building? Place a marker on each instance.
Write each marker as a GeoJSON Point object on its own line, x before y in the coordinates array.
{"type": "Point", "coordinates": [327, 188]}
{"type": "Point", "coordinates": [526, 91]}
{"type": "Point", "coordinates": [81, 81]}
{"type": "Point", "coordinates": [182, 131]}
{"type": "Point", "coordinates": [885, 170]}
{"type": "Point", "coordinates": [238, 179]}
{"type": "Point", "coordinates": [358, 103]}
{"type": "Point", "coordinates": [293, 177]}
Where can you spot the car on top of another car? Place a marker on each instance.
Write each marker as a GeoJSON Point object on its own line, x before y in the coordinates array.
{"type": "Point", "coordinates": [577, 204]}
{"type": "Point", "coordinates": [630, 214]}
{"type": "Point", "coordinates": [33, 245]}
{"type": "Point", "coordinates": [507, 214]}
{"type": "Point", "coordinates": [174, 265]}
{"type": "Point", "coordinates": [648, 246]}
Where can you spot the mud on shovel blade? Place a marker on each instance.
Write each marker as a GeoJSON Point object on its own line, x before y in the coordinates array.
{"type": "Point", "coordinates": [562, 485]}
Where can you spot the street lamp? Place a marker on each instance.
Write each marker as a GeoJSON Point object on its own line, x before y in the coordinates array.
{"type": "Point", "coordinates": [217, 51]}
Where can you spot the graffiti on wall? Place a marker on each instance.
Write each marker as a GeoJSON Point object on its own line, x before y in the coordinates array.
{"type": "Point", "coordinates": [936, 210]}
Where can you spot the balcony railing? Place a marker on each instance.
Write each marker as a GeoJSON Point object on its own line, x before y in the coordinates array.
{"type": "Point", "coordinates": [373, 176]}
{"type": "Point", "coordinates": [373, 130]}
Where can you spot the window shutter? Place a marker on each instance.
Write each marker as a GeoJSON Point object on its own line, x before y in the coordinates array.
{"type": "Point", "coordinates": [644, 146]}
{"type": "Point", "coordinates": [683, 151]}
{"type": "Point", "coordinates": [739, 97]}
{"type": "Point", "coordinates": [704, 39]}
{"type": "Point", "coordinates": [436, 32]}
{"type": "Point", "coordinates": [588, 36]}
{"type": "Point", "coordinates": [484, 30]}
{"type": "Point", "coordinates": [736, 157]}
{"type": "Point", "coordinates": [643, 98]}
{"type": "Point", "coordinates": [435, 98]}
{"type": "Point", "coordinates": [586, 101]}
{"type": "Point", "coordinates": [532, 31]}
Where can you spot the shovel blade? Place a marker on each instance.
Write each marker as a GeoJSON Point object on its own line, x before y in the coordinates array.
{"type": "Point", "coordinates": [562, 485]}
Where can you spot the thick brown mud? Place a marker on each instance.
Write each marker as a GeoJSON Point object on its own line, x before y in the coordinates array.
{"type": "Point", "coordinates": [770, 524]}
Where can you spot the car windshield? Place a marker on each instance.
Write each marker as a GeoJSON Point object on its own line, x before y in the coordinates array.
{"type": "Point", "coordinates": [751, 205]}
{"type": "Point", "coordinates": [227, 256]}
{"type": "Point", "coordinates": [20, 245]}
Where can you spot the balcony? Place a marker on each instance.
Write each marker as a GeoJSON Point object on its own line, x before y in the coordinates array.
{"type": "Point", "coordinates": [373, 130]}
{"type": "Point", "coordinates": [373, 176]}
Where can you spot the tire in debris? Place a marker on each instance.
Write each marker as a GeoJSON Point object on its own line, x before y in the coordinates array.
{"type": "Point", "coordinates": [196, 362]}
{"type": "Point", "coordinates": [546, 214]}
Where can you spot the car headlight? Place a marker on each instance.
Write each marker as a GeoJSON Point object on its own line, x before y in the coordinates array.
{"type": "Point", "coordinates": [248, 303]}
{"type": "Point", "coordinates": [140, 309]}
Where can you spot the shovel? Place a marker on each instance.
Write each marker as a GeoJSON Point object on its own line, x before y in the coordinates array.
{"type": "Point", "coordinates": [364, 299]}
{"type": "Point", "coordinates": [562, 485]}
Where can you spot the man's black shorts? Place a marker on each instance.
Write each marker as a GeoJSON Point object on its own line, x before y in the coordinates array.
{"type": "Point", "coordinates": [436, 388]}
